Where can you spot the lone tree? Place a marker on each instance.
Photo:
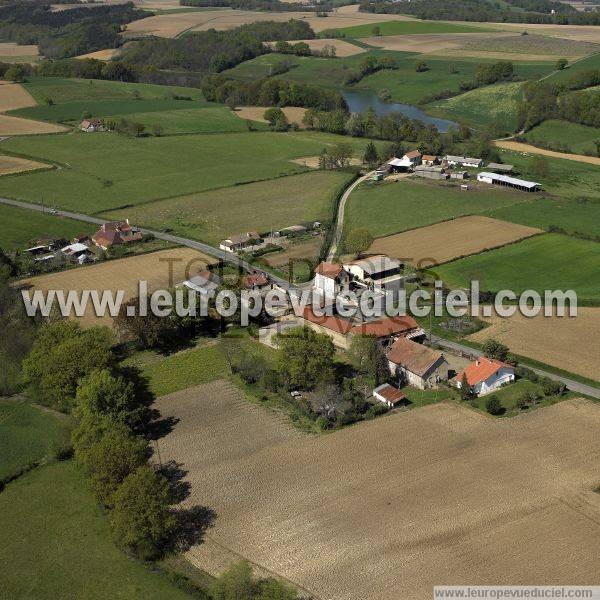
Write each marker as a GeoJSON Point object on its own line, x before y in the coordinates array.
{"type": "Point", "coordinates": [376, 30]}
{"type": "Point", "coordinates": [272, 114]}
{"type": "Point", "coordinates": [494, 406]}
{"type": "Point", "coordinates": [421, 66]}
{"type": "Point", "coordinates": [561, 63]}
{"type": "Point", "coordinates": [371, 156]}
{"type": "Point", "coordinates": [495, 349]}
{"type": "Point", "coordinates": [15, 74]}
{"type": "Point", "coordinates": [465, 390]}
{"type": "Point", "coordinates": [358, 240]}
{"type": "Point", "coordinates": [141, 520]}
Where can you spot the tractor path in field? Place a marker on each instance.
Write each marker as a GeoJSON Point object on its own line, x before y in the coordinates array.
{"type": "Point", "coordinates": [521, 147]}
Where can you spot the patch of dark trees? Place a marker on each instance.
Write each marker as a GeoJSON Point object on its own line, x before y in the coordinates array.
{"type": "Point", "coordinates": [62, 34]}
{"type": "Point", "coordinates": [519, 11]}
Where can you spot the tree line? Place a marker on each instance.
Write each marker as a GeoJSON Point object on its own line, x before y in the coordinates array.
{"type": "Point", "coordinates": [511, 11]}
{"type": "Point", "coordinates": [61, 34]}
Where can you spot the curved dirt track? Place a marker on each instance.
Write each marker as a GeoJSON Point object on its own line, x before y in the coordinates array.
{"type": "Point", "coordinates": [521, 147]}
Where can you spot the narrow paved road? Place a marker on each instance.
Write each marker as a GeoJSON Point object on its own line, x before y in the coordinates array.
{"type": "Point", "coordinates": [574, 386]}
{"type": "Point", "coordinates": [210, 250]}
{"type": "Point", "coordinates": [339, 226]}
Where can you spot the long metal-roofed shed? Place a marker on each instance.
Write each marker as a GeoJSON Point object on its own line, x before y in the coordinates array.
{"type": "Point", "coordinates": [519, 184]}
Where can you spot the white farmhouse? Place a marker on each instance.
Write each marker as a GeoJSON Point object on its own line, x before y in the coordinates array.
{"type": "Point", "coordinates": [486, 375]}
{"type": "Point", "coordinates": [376, 272]}
{"type": "Point", "coordinates": [330, 279]}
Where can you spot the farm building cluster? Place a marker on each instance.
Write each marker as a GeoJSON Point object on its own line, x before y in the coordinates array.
{"type": "Point", "coordinates": [84, 248]}
{"type": "Point", "coordinates": [453, 167]}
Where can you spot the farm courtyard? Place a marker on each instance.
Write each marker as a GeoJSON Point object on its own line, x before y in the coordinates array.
{"type": "Point", "coordinates": [437, 495]}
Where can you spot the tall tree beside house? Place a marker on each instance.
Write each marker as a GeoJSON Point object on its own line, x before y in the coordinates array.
{"type": "Point", "coordinates": [465, 390]}
{"type": "Point", "coordinates": [306, 357]}
{"type": "Point", "coordinates": [494, 349]}
{"type": "Point", "coordinates": [359, 240]}
{"type": "Point", "coordinates": [371, 156]}
{"type": "Point", "coordinates": [369, 358]}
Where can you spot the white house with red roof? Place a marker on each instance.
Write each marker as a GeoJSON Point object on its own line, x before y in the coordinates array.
{"type": "Point", "coordinates": [390, 396]}
{"type": "Point", "coordinates": [330, 278]}
{"type": "Point", "coordinates": [486, 375]}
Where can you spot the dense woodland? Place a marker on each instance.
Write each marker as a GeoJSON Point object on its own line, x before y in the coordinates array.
{"type": "Point", "coordinates": [510, 11]}
{"type": "Point", "coordinates": [566, 100]}
{"type": "Point", "coordinates": [62, 34]}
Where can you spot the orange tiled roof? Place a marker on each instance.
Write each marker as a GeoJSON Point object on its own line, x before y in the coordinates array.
{"type": "Point", "coordinates": [481, 370]}
{"type": "Point", "coordinates": [385, 327]}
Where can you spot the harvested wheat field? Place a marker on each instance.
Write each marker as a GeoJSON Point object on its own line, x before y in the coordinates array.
{"type": "Point", "coordinates": [107, 54]}
{"type": "Point", "coordinates": [386, 509]}
{"type": "Point", "coordinates": [569, 343]}
{"type": "Point", "coordinates": [293, 114]}
{"type": "Point", "coordinates": [161, 270]}
{"type": "Point", "coordinates": [9, 165]}
{"type": "Point", "coordinates": [172, 25]}
{"type": "Point", "coordinates": [13, 96]}
{"type": "Point", "coordinates": [529, 149]}
{"type": "Point", "coordinates": [448, 240]}
{"type": "Point", "coordinates": [342, 48]}
{"type": "Point", "coordinates": [13, 53]}
{"type": "Point", "coordinates": [18, 126]}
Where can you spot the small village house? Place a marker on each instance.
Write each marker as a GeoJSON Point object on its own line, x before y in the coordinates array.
{"type": "Point", "coordinates": [463, 161]}
{"type": "Point", "coordinates": [203, 283]}
{"type": "Point", "coordinates": [486, 375]}
{"type": "Point", "coordinates": [91, 125]}
{"type": "Point", "coordinates": [330, 279]}
{"type": "Point", "coordinates": [414, 157]}
{"type": "Point", "coordinates": [378, 272]}
{"type": "Point", "coordinates": [389, 395]}
{"type": "Point", "coordinates": [388, 329]}
{"type": "Point", "coordinates": [417, 365]}
{"type": "Point", "coordinates": [429, 160]}
{"type": "Point", "coordinates": [115, 233]}
{"type": "Point", "coordinates": [257, 281]}
{"type": "Point", "coordinates": [244, 241]}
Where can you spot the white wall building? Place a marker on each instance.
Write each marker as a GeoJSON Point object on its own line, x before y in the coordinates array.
{"type": "Point", "coordinates": [486, 375]}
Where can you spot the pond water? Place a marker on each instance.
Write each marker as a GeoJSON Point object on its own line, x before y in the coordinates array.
{"type": "Point", "coordinates": [359, 101]}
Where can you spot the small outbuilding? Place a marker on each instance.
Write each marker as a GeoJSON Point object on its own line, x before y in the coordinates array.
{"type": "Point", "coordinates": [390, 396]}
{"type": "Point", "coordinates": [500, 167]}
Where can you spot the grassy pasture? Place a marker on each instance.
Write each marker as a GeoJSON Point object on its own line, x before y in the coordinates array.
{"type": "Point", "coordinates": [565, 178]}
{"type": "Point", "coordinates": [62, 90]}
{"type": "Point", "coordinates": [106, 171]}
{"type": "Point", "coordinates": [28, 434]}
{"type": "Point", "coordinates": [388, 208]}
{"type": "Point", "coordinates": [57, 543]}
{"type": "Point", "coordinates": [573, 215]}
{"type": "Point", "coordinates": [18, 226]}
{"type": "Point", "coordinates": [495, 104]}
{"type": "Point", "coordinates": [565, 136]}
{"type": "Point", "coordinates": [407, 28]}
{"type": "Point", "coordinates": [261, 206]}
{"type": "Point", "coordinates": [404, 83]}
{"type": "Point", "coordinates": [585, 64]}
{"type": "Point", "coordinates": [544, 262]}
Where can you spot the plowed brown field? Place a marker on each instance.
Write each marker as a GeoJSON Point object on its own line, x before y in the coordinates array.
{"type": "Point", "coordinates": [445, 241]}
{"type": "Point", "coordinates": [161, 270]}
{"type": "Point", "coordinates": [569, 343]}
{"type": "Point", "coordinates": [389, 508]}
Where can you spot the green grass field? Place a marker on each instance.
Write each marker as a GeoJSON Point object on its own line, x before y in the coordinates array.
{"type": "Point", "coordinates": [19, 226]}
{"type": "Point", "coordinates": [263, 206]}
{"type": "Point", "coordinates": [106, 171]}
{"type": "Point", "coordinates": [62, 90]}
{"type": "Point", "coordinates": [393, 207]}
{"type": "Point", "coordinates": [491, 105]}
{"type": "Point", "coordinates": [192, 367]}
{"type": "Point", "coordinates": [57, 543]}
{"type": "Point", "coordinates": [29, 434]}
{"type": "Point", "coordinates": [404, 83]}
{"type": "Point", "coordinates": [586, 64]}
{"type": "Point", "coordinates": [580, 215]}
{"type": "Point", "coordinates": [544, 262]}
{"type": "Point", "coordinates": [564, 178]}
{"type": "Point", "coordinates": [565, 137]}
{"type": "Point", "coordinates": [408, 28]}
